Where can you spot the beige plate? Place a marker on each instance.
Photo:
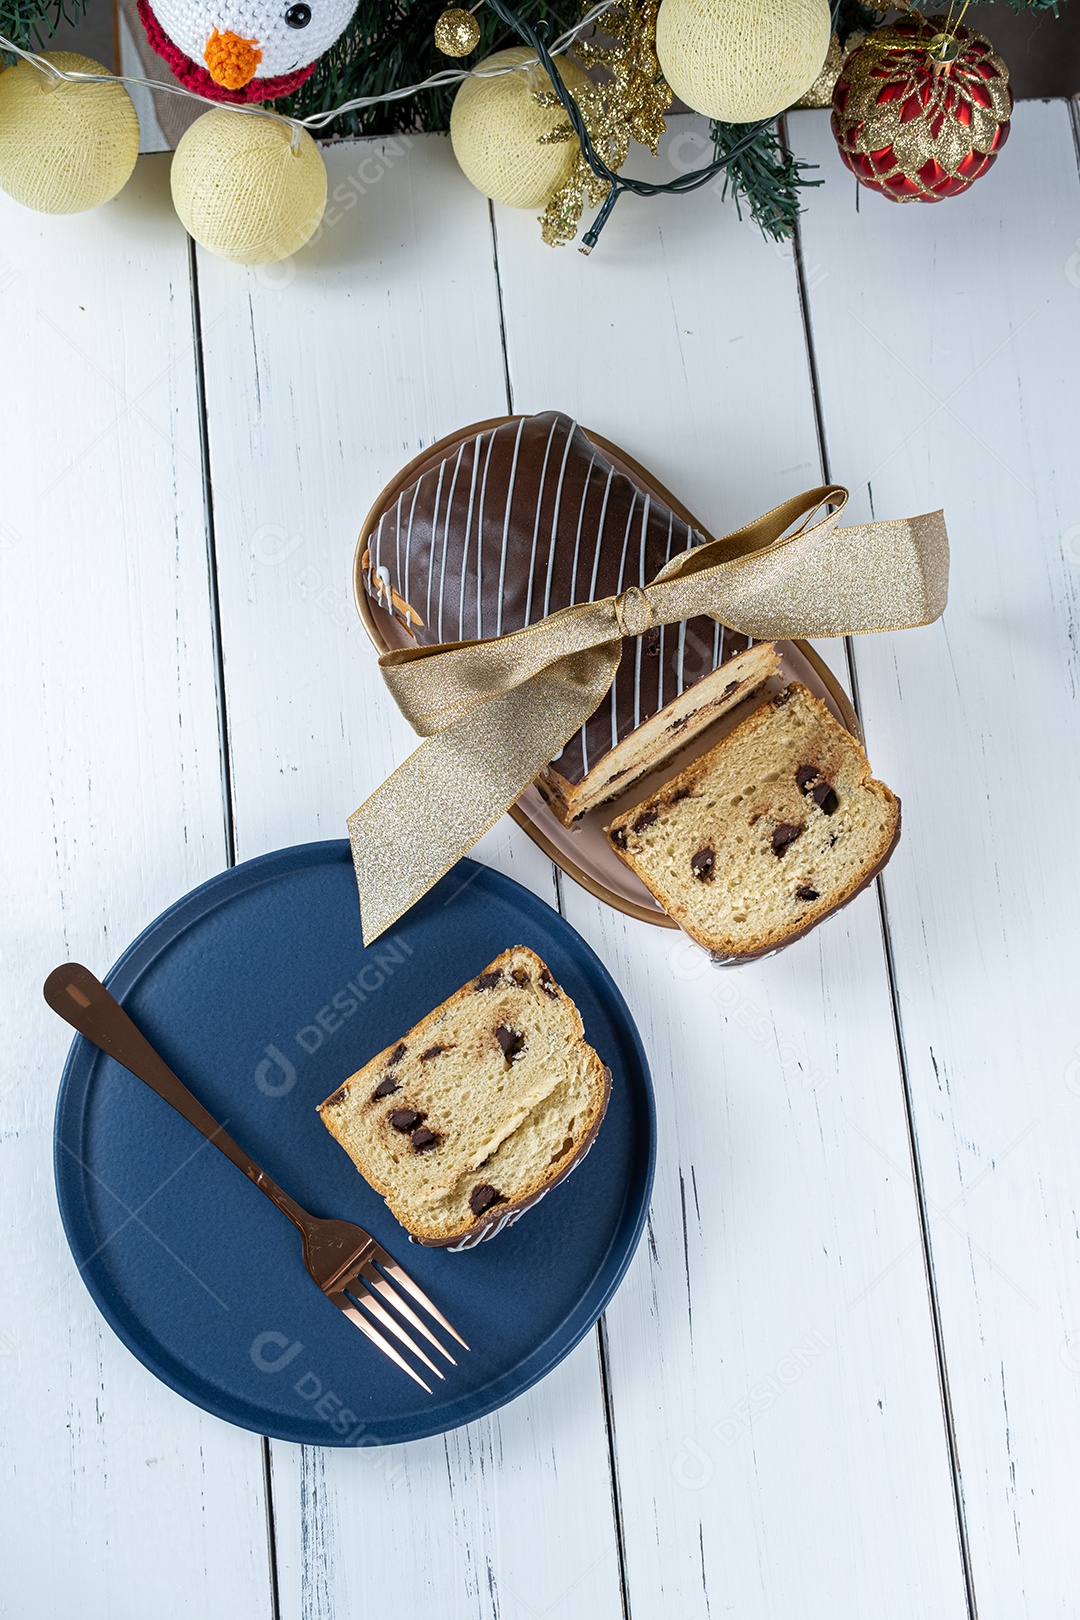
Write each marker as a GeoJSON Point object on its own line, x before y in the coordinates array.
{"type": "Point", "coordinates": [583, 852]}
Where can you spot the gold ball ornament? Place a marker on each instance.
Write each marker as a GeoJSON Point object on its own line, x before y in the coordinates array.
{"type": "Point", "coordinates": [457, 32]}
{"type": "Point", "coordinates": [244, 189]}
{"type": "Point", "coordinates": [497, 130]}
{"type": "Point", "coordinates": [742, 60]}
{"type": "Point", "coordinates": [919, 115]}
{"type": "Point", "coordinates": [64, 146]}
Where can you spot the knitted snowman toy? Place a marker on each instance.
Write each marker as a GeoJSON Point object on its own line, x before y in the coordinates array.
{"type": "Point", "coordinates": [244, 50]}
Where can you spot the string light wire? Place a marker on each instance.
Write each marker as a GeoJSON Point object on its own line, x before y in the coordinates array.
{"type": "Point", "coordinates": [544, 57]}
{"type": "Point", "coordinates": [318, 120]}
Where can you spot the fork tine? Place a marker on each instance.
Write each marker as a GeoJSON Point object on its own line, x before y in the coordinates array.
{"type": "Point", "coordinates": [346, 1305]}
{"type": "Point", "coordinates": [375, 1279]}
{"type": "Point", "coordinates": [357, 1291]}
{"type": "Point", "coordinates": [400, 1276]}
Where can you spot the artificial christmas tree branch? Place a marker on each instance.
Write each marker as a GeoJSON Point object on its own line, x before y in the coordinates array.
{"type": "Point", "coordinates": [30, 23]}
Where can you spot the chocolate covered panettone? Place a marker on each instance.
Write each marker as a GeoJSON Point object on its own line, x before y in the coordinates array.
{"type": "Point", "coordinates": [529, 515]}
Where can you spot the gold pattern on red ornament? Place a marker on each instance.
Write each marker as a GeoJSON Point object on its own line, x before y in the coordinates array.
{"type": "Point", "coordinates": [920, 114]}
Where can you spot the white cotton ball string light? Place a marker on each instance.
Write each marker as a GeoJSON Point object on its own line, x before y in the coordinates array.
{"type": "Point", "coordinates": [65, 146]}
{"type": "Point", "coordinates": [497, 128]}
{"type": "Point", "coordinates": [742, 60]}
{"type": "Point", "coordinates": [247, 187]}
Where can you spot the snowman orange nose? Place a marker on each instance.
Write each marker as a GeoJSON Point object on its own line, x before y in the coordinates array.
{"type": "Point", "coordinates": [232, 61]}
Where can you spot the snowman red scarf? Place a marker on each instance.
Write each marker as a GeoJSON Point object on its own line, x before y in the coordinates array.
{"type": "Point", "coordinates": [244, 50]}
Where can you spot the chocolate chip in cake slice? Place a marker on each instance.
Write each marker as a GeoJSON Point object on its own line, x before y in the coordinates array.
{"type": "Point", "coordinates": [385, 1088]}
{"type": "Point", "coordinates": [338, 1097]}
{"type": "Point", "coordinates": [824, 796]}
{"type": "Point", "coordinates": [783, 835]}
{"type": "Point", "coordinates": [397, 1054]}
{"type": "Point", "coordinates": [548, 985]}
{"type": "Point", "coordinates": [520, 978]}
{"type": "Point", "coordinates": [433, 1052]}
{"type": "Point", "coordinates": [618, 837]}
{"type": "Point", "coordinates": [488, 981]}
{"type": "Point", "coordinates": [424, 1139]}
{"type": "Point", "coordinates": [406, 1120]}
{"type": "Point", "coordinates": [512, 1041]}
{"type": "Point", "coordinates": [810, 781]}
{"type": "Point", "coordinates": [805, 892]}
{"type": "Point", "coordinates": [680, 794]}
{"type": "Point", "coordinates": [703, 863]}
{"type": "Point", "coordinates": [483, 1196]}
{"type": "Point", "coordinates": [646, 819]}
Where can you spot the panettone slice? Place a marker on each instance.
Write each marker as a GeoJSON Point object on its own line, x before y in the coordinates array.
{"type": "Point", "coordinates": [766, 834]}
{"type": "Point", "coordinates": [477, 1111]}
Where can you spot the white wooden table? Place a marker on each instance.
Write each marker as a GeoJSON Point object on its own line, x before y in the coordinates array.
{"type": "Point", "coordinates": [842, 1378]}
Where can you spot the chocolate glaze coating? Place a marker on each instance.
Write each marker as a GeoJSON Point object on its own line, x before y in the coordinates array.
{"type": "Point", "coordinates": [526, 518]}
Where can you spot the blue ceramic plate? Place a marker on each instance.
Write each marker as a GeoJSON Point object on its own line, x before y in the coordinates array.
{"type": "Point", "coordinates": [257, 990]}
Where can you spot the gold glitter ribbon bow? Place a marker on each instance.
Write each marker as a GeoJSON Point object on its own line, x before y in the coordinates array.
{"type": "Point", "coordinates": [496, 711]}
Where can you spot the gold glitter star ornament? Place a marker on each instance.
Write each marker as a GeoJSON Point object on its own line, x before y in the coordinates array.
{"type": "Point", "coordinates": [628, 102]}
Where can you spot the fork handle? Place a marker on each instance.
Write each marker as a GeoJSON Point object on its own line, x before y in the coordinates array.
{"type": "Point", "coordinates": [84, 1003]}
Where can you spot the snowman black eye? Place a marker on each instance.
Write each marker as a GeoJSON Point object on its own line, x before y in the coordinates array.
{"type": "Point", "coordinates": [298, 16]}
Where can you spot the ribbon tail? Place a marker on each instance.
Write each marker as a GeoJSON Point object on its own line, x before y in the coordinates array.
{"type": "Point", "coordinates": [457, 784]}
{"type": "Point", "coordinates": [827, 581]}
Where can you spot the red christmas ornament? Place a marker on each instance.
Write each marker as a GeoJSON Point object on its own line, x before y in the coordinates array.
{"type": "Point", "coordinates": [919, 114]}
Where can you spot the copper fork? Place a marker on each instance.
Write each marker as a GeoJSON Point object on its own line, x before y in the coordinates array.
{"type": "Point", "coordinates": [345, 1261]}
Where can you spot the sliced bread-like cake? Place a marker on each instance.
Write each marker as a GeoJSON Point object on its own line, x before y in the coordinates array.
{"type": "Point", "coordinates": [766, 834]}
{"type": "Point", "coordinates": [664, 734]}
{"type": "Point", "coordinates": [480, 1109]}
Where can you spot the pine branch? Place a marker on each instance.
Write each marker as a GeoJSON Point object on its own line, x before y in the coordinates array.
{"type": "Point", "coordinates": [765, 177]}
{"type": "Point", "coordinates": [853, 17]}
{"type": "Point", "coordinates": [386, 47]}
{"type": "Point", "coordinates": [30, 23]}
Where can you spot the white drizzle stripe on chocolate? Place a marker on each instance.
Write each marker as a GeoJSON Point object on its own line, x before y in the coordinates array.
{"type": "Point", "coordinates": [577, 536]}
{"type": "Point", "coordinates": [622, 581]}
{"type": "Point", "coordinates": [577, 554]}
{"type": "Point", "coordinates": [480, 546]}
{"type": "Point", "coordinates": [638, 639]}
{"type": "Point", "coordinates": [555, 518]}
{"type": "Point", "coordinates": [506, 524]}
{"type": "Point", "coordinates": [434, 532]}
{"type": "Point", "coordinates": [663, 627]}
{"type": "Point", "coordinates": [397, 542]}
{"type": "Point", "coordinates": [446, 535]}
{"type": "Point", "coordinates": [408, 541]}
{"type": "Point", "coordinates": [475, 449]}
{"type": "Point", "coordinates": [531, 575]}
{"type": "Point", "coordinates": [592, 591]}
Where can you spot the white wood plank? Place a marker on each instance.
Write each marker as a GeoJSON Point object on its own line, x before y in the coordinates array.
{"type": "Point", "coordinates": [778, 1422]}
{"type": "Point", "coordinates": [119, 1498]}
{"type": "Point", "coordinates": [323, 378]}
{"type": "Point", "coordinates": [510, 1516]}
{"type": "Point", "coordinates": [948, 345]}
